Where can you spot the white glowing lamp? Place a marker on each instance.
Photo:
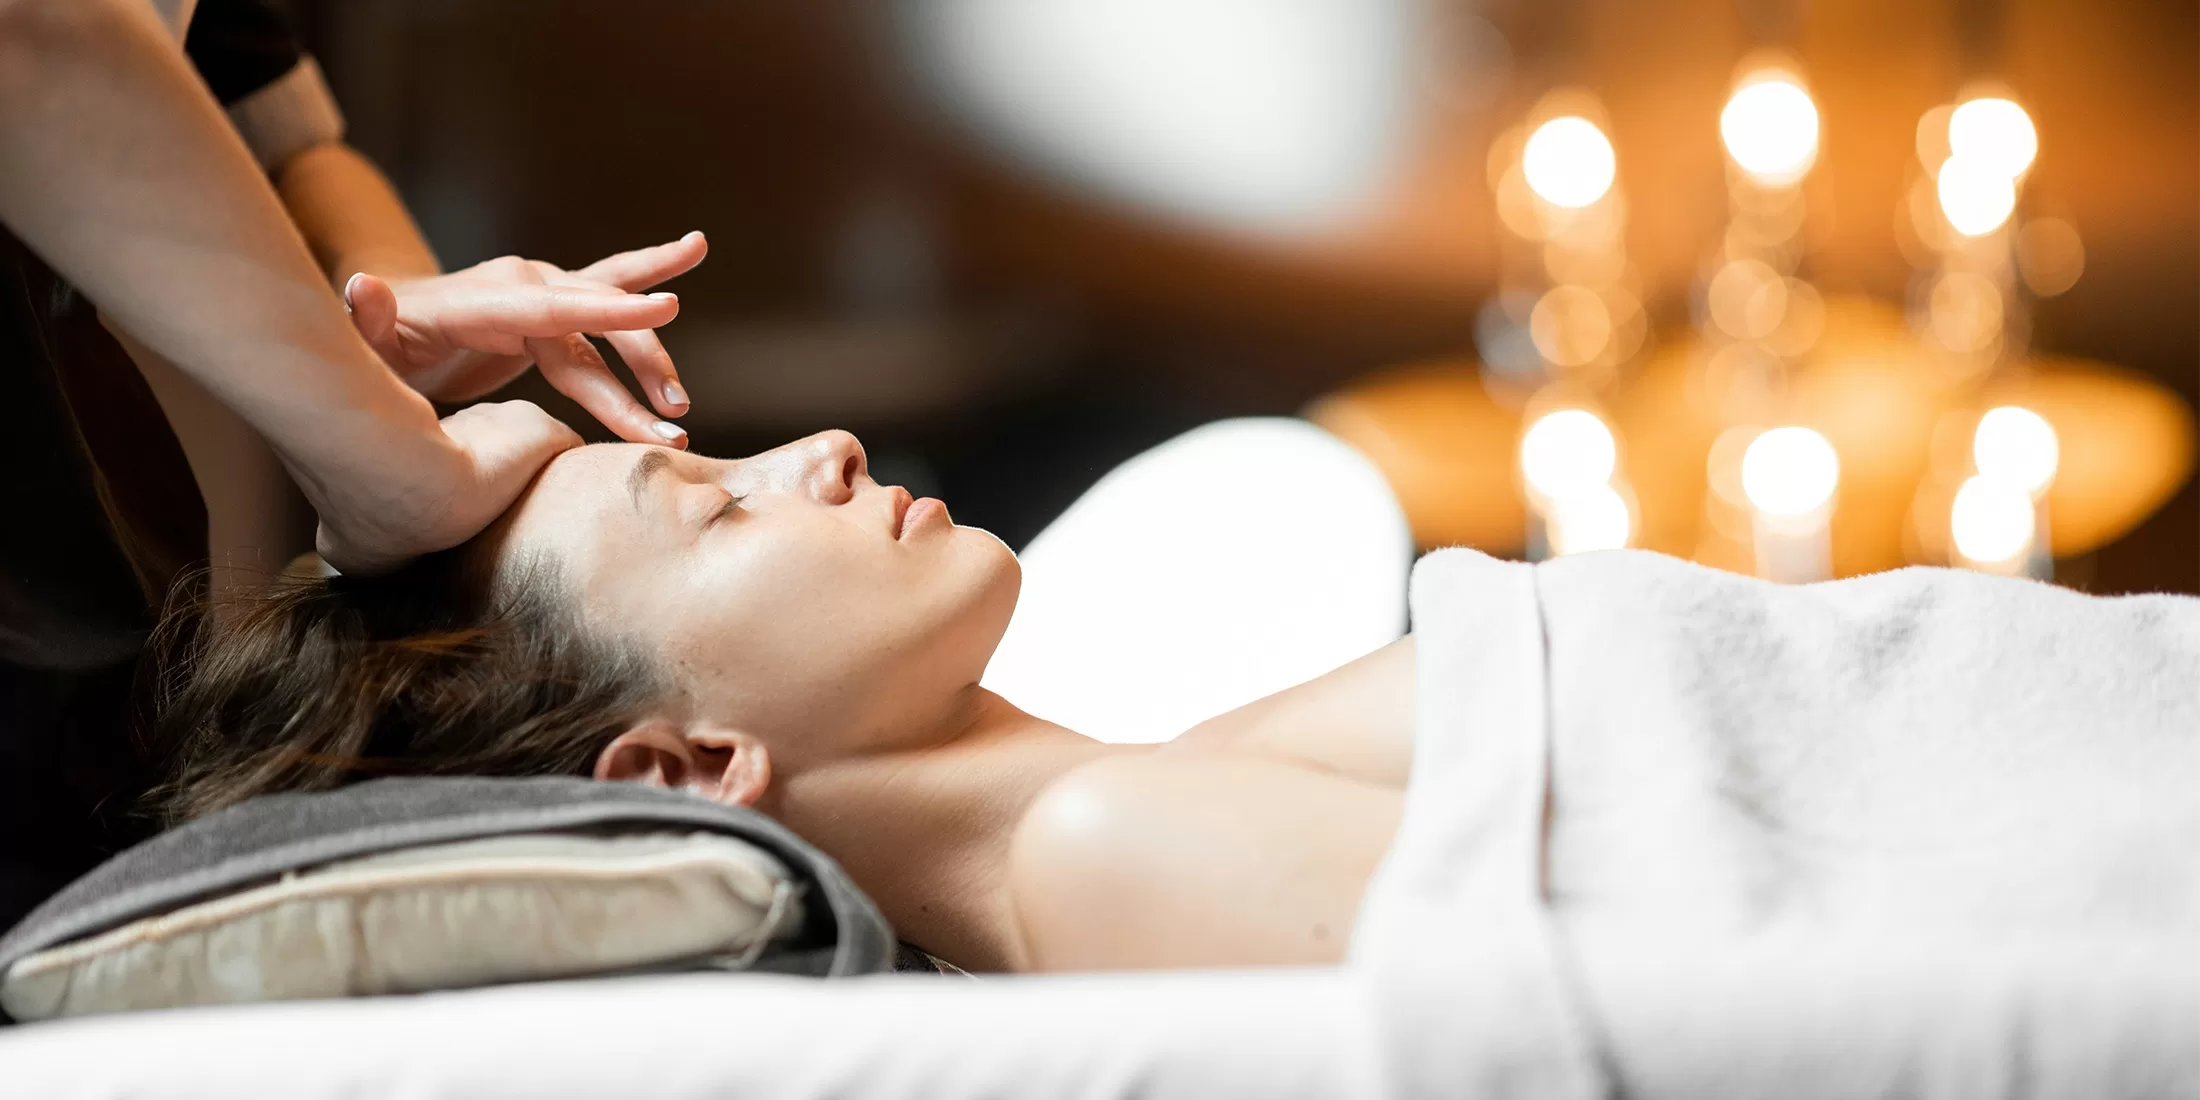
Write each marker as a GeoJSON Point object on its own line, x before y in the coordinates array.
{"type": "Point", "coordinates": [1790, 472]}
{"type": "Point", "coordinates": [1992, 520]}
{"type": "Point", "coordinates": [1598, 519]}
{"type": "Point", "coordinates": [1569, 162]}
{"type": "Point", "coordinates": [1770, 127]}
{"type": "Point", "coordinates": [1567, 454]}
{"type": "Point", "coordinates": [1994, 134]}
{"type": "Point", "coordinates": [1976, 196]}
{"type": "Point", "coordinates": [2017, 447]}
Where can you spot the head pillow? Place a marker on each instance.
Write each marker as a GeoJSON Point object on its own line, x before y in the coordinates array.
{"type": "Point", "coordinates": [408, 885]}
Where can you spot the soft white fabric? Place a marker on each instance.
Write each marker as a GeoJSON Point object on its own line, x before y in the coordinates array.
{"type": "Point", "coordinates": [446, 916]}
{"type": "Point", "coordinates": [1227, 564]}
{"type": "Point", "coordinates": [1926, 833]}
{"type": "Point", "coordinates": [1278, 1034]}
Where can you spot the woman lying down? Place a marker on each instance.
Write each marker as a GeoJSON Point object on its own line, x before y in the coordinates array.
{"type": "Point", "coordinates": [1623, 736]}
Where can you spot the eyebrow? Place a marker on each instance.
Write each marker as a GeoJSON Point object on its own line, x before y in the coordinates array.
{"type": "Point", "coordinates": [652, 463]}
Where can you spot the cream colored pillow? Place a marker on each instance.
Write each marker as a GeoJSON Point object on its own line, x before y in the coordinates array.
{"type": "Point", "coordinates": [504, 909]}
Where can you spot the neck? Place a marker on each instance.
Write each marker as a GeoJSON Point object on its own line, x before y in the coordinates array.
{"type": "Point", "coordinates": [925, 832]}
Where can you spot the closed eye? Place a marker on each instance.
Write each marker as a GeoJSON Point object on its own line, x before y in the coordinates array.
{"type": "Point", "coordinates": [733, 503]}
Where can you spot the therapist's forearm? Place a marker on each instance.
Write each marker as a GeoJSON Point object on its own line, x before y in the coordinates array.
{"type": "Point", "coordinates": [120, 170]}
{"type": "Point", "coordinates": [351, 217]}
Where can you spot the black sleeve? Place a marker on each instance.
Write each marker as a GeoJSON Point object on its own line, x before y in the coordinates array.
{"type": "Point", "coordinates": [240, 46]}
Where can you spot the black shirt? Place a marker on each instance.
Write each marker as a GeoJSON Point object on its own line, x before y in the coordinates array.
{"type": "Point", "coordinates": [98, 517]}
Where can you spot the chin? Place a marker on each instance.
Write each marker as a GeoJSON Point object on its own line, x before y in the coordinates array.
{"type": "Point", "coordinates": [998, 579]}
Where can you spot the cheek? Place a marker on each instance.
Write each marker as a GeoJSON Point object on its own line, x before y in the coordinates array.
{"type": "Point", "coordinates": [783, 594]}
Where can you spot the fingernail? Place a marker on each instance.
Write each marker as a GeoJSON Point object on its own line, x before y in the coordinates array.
{"type": "Point", "coordinates": [667, 431]}
{"type": "Point", "coordinates": [692, 235]}
{"type": "Point", "coordinates": [664, 296]}
{"type": "Point", "coordinates": [674, 394]}
{"type": "Point", "coordinates": [350, 283]}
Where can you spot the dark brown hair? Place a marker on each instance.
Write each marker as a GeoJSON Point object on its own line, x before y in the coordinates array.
{"type": "Point", "coordinates": [437, 669]}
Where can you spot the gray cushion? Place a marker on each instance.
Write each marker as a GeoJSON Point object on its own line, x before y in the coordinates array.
{"type": "Point", "coordinates": [269, 840]}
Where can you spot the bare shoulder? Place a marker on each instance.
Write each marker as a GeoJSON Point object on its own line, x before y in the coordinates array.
{"type": "Point", "coordinates": [1355, 721]}
{"type": "Point", "coordinates": [1185, 860]}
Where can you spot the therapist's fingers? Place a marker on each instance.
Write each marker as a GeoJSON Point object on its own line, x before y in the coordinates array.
{"type": "Point", "coordinates": [374, 314]}
{"type": "Point", "coordinates": [645, 355]}
{"type": "Point", "coordinates": [496, 317]}
{"type": "Point", "coordinates": [646, 267]}
{"type": "Point", "coordinates": [643, 352]}
{"type": "Point", "coordinates": [576, 369]}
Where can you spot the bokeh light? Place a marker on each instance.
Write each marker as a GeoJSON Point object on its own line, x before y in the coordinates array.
{"type": "Point", "coordinates": [1802, 319]}
{"type": "Point", "coordinates": [2050, 255]}
{"type": "Point", "coordinates": [1994, 134]}
{"type": "Point", "coordinates": [1790, 471]}
{"type": "Point", "coordinates": [2017, 447]}
{"type": "Point", "coordinates": [1975, 196]}
{"type": "Point", "coordinates": [1598, 519]}
{"type": "Point", "coordinates": [1746, 299]}
{"type": "Point", "coordinates": [1770, 127]}
{"type": "Point", "coordinates": [1569, 162]}
{"type": "Point", "coordinates": [1570, 325]}
{"type": "Point", "coordinates": [1566, 454]}
{"type": "Point", "coordinates": [1965, 311]}
{"type": "Point", "coordinates": [1991, 520]}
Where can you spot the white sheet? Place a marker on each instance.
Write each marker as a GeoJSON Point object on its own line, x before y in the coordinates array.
{"type": "Point", "coordinates": [1283, 1034]}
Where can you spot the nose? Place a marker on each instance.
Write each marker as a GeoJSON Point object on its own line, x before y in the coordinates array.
{"type": "Point", "coordinates": [824, 467]}
{"type": "Point", "coordinates": [835, 462]}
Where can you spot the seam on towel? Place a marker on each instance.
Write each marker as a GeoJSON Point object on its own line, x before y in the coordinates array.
{"type": "Point", "coordinates": [1566, 965]}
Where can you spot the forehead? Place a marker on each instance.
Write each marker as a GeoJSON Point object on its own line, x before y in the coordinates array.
{"type": "Point", "coordinates": [590, 477]}
{"type": "Point", "coordinates": [579, 501]}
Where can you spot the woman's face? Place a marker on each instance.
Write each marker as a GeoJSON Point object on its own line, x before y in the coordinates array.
{"type": "Point", "coordinates": [788, 595]}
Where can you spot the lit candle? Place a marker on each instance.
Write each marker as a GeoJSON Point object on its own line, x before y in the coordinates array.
{"type": "Point", "coordinates": [1770, 128]}
{"type": "Point", "coordinates": [1789, 475]}
{"type": "Point", "coordinates": [1567, 459]}
{"type": "Point", "coordinates": [1999, 519]}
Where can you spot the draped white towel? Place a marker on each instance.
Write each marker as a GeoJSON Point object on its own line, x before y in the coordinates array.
{"type": "Point", "coordinates": [1927, 833]}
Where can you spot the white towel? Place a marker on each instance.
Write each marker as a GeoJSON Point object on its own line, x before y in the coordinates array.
{"type": "Point", "coordinates": [1924, 833]}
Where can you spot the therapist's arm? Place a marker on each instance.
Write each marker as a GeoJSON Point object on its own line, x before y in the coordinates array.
{"type": "Point", "coordinates": [351, 217]}
{"type": "Point", "coordinates": [119, 169]}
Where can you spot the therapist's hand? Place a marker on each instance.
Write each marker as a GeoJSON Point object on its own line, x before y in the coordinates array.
{"type": "Point", "coordinates": [459, 336]}
{"type": "Point", "coordinates": [456, 485]}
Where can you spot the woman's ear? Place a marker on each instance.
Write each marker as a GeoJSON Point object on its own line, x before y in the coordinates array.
{"type": "Point", "coordinates": [720, 764]}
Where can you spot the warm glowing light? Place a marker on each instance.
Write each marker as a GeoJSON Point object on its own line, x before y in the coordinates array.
{"type": "Point", "coordinates": [1570, 325]}
{"type": "Point", "coordinates": [1770, 127]}
{"type": "Point", "coordinates": [1995, 134]}
{"type": "Point", "coordinates": [1568, 454]}
{"type": "Point", "coordinates": [1965, 311]}
{"type": "Point", "coordinates": [2016, 446]}
{"type": "Point", "coordinates": [1746, 299]}
{"type": "Point", "coordinates": [1790, 472]}
{"type": "Point", "coordinates": [1991, 520]}
{"type": "Point", "coordinates": [1596, 520]}
{"type": "Point", "coordinates": [2050, 255]}
{"type": "Point", "coordinates": [1976, 197]}
{"type": "Point", "coordinates": [1569, 162]}
{"type": "Point", "coordinates": [1802, 319]}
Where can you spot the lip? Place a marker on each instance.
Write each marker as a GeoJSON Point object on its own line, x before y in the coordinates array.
{"type": "Point", "coordinates": [899, 500]}
{"type": "Point", "coordinates": [919, 512]}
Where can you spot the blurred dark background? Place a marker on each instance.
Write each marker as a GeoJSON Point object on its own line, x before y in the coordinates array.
{"type": "Point", "coordinates": [1002, 323]}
